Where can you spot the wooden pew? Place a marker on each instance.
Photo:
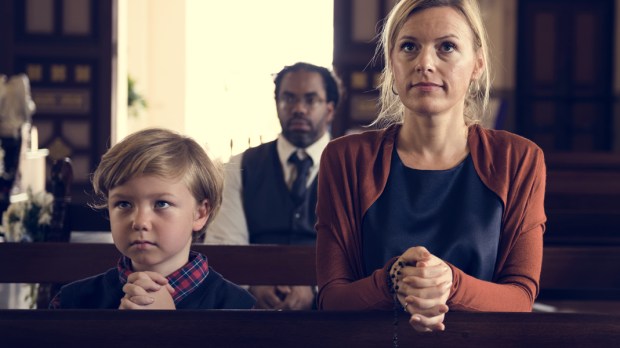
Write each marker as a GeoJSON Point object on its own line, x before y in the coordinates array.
{"type": "Point", "coordinates": [584, 161]}
{"type": "Point", "coordinates": [583, 209]}
{"type": "Point", "coordinates": [582, 228]}
{"type": "Point", "coordinates": [212, 328]}
{"type": "Point", "coordinates": [65, 262]}
{"type": "Point", "coordinates": [583, 199]}
{"type": "Point", "coordinates": [581, 272]}
{"type": "Point", "coordinates": [584, 190]}
{"type": "Point", "coordinates": [567, 273]}
{"type": "Point", "coordinates": [581, 279]}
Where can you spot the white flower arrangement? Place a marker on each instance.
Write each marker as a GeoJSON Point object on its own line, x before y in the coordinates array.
{"type": "Point", "coordinates": [29, 220]}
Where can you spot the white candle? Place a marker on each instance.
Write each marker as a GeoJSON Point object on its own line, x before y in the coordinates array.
{"type": "Point", "coordinates": [34, 139]}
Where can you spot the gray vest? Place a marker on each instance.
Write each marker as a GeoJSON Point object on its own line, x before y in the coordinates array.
{"type": "Point", "coordinates": [271, 214]}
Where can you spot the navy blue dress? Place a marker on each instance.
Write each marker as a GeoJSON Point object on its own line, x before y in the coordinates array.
{"type": "Point", "coordinates": [450, 212]}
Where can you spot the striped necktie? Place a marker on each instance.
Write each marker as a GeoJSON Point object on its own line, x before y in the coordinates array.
{"type": "Point", "coordinates": [298, 189]}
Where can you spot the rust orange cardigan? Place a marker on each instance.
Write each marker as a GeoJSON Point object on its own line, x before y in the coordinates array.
{"type": "Point", "coordinates": [353, 173]}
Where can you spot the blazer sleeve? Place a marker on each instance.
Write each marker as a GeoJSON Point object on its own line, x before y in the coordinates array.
{"type": "Point", "coordinates": [339, 265]}
{"type": "Point", "coordinates": [229, 226]}
{"type": "Point", "coordinates": [516, 284]}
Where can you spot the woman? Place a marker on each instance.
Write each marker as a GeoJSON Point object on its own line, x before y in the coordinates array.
{"type": "Point", "coordinates": [432, 212]}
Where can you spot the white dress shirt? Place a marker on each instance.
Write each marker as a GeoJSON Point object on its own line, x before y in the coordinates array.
{"type": "Point", "coordinates": [230, 226]}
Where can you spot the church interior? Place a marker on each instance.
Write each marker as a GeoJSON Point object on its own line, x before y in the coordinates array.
{"type": "Point", "coordinates": [555, 81]}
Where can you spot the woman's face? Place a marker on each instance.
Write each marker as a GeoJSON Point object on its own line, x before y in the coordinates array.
{"type": "Point", "coordinates": [434, 62]}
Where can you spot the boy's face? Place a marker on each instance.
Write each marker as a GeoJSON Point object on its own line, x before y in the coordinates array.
{"type": "Point", "coordinates": [152, 219]}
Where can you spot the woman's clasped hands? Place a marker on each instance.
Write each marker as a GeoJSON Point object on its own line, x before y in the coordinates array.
{"type": "Point", "coordinates": [422, 283]}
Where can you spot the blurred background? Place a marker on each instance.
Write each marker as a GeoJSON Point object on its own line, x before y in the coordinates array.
{"type": "Point", "coordinates": [100, 70]}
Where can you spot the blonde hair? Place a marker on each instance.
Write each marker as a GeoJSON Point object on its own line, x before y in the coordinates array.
{"type": "Point", "coordinates": [477, 98]}
{"type": "Point", "coordinates": [166, 154]}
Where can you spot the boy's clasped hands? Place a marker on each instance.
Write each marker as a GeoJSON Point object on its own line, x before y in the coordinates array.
{"type": "Point", "coordinates": [147, 290]}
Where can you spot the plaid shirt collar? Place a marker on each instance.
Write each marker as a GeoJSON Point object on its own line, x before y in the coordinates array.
{"type": "Point", "coordinates": [184, 280]}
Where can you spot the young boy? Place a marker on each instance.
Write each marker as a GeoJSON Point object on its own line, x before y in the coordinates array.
{"type": "Point", "coordinates": [161, 190]}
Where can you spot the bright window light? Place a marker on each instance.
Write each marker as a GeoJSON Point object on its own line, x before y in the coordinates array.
{"type": "Point", "coordinates": [233, 50]}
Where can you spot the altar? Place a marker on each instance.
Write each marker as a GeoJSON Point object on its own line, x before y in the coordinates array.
{"type": "Point", "coordinates": [23, 172]}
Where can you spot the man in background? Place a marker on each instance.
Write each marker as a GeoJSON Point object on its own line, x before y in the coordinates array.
{"type": "Point", "coordinates": [270, 191]}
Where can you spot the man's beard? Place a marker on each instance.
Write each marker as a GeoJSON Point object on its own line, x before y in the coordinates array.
{"type": "Point", "coordinates": [300, 138]}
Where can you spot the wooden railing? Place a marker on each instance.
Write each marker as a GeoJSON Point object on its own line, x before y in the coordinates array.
{"type": "Point", "coordinates": [584, 161]}
{"type": "Point", "coordinates": [582, 204]}
{"type": "Point", "coordinates": [212, 328]}
{"type": "Point", "coordinates": [65, 262]}
{"type": "Point", "coordinates": [582, 199]}
{"type": "Point", "coordinates": [568, 272]}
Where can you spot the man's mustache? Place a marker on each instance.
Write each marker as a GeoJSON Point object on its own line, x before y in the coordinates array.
{"type": "Point", "coordinates": [298, 119]}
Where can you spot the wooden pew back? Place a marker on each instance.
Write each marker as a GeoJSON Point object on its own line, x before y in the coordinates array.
{"type": "Point", "coordinates": [574, 272]}
{"type": "Point", "coordinates": [581, 273]}
{"type": "Point", "coordinates": [65, 262]}
{"type": "Point", "coordinates": [212, 328]}
{"type": "Point", "coordinates": [582, 199]}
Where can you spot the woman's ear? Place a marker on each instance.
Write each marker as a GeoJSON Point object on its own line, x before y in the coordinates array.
{"type": "Point", "coordinates": [479, 66]}
{"type": "Point", "coordinates": [201, 215]}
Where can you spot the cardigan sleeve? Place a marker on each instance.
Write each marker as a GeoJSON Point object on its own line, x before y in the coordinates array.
{"type": "Point", "coordinates": [516, 284]}
{"type": "Point", "coordinates": [339, 273]}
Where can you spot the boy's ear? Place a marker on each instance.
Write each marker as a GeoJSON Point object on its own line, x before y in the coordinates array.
{"type": "Point", "coordinates": [201, 215]}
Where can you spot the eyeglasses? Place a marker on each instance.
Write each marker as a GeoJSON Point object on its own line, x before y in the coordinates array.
{"type": "Point", "coordinates": [309, 101]}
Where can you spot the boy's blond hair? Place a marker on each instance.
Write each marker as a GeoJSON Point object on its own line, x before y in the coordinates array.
{"type": "Point", "coordinates": [163, 153]}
